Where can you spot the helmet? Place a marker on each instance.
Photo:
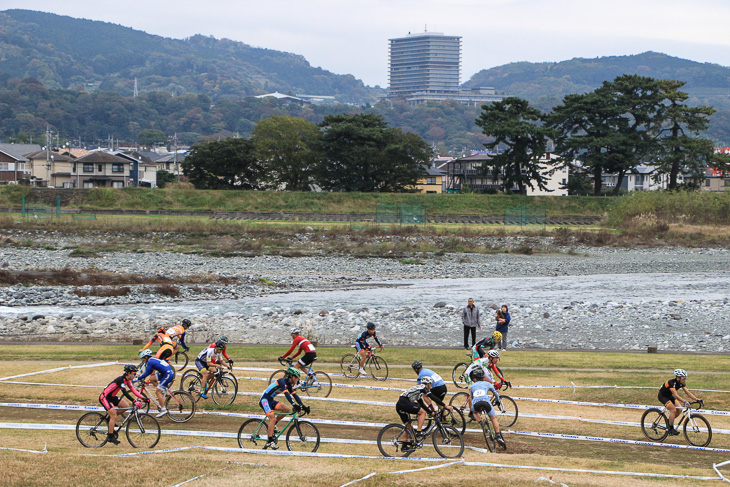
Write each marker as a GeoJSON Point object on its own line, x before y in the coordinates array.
{"type": "Point", "coordinates": [186, 323]}
{"type": "Point", "coordinates": [131, 368]}
{"type": "Point", "coordinates": [292, 371]}
{"type": "Point", "coordinates": [223, 339]}
{"type": "Point", "coordinates": [295, 331]}
{"type": "Point", "coordinates": [220, 344]}
{"type": "Point", "coordinates": [497, 335]}
{"type": "Point", "coordinates": [145, 353]}
{"type": "Point", "coordinates": [493, 354]}
{"type": "Point", "coordinates": [426, 380]}
{"type": "Point", "coordinates": [680, 373]}
{"type": "Point", "coordinates": [477, 375]}
{"type": "Point", "coordinates": [162, 329]}
{"type": "Point", "coordinates": [371, 325]}
{"type": "Point", "coordinates": [417, 365]}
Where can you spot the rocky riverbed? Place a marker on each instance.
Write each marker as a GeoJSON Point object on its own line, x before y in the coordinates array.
{"type": "Point", "coordinates": [635, 298]}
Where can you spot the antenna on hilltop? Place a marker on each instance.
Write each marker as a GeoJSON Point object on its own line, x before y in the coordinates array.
{"type": "Point", "coordinates": [425, 27]}
{"type": "Point", "coordinates": [136, 92]}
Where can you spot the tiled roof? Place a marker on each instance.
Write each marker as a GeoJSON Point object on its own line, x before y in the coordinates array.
{"type": "Point", "coordinates": [102, 157]}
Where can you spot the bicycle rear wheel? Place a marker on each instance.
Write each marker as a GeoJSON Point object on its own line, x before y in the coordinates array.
{"type": "Point", "coordinates": [318, 384]}
{"type": "Point", "coordinates": [378, 368]}
{"type": "Point", "coordinates": [394, 440]}
{"type": "Point", "coordinates": [654, 424]}
{"type": "Point", "coordinates": [224, 391]}
{"type": "Point", "coordinates": [143, 431]}
{"type": "Point", "coordinates": [693, 430]}
{"type": "Point", "coordinates": [350, 365]}
{"type": "Point", "coordinates": [488, 433]}
{"type": "Point", "coordinates": [462, 401]}
{"type": "Point", "coordinates": [188, 379]}
{"type": "Point", "coordinates": [179, 360]}
{"type": "Point", "coordinates": [180, 406]}
{"type": "Point", "coordinates": [279, 374]}
{"type": "Point", "coordinates": [458, 375]}
{"type": "Point", "coordinates": [91, 429]}
{"type": "Point", "coordinates": [251, 435]}
{"type": "Point", "coordinates": [302, 436]}
{"type": "Point", "coordinates": [506, 409]}
{"type": "Point", "coordinates": [447, 441]}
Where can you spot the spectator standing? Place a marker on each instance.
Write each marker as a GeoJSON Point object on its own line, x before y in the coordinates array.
{"type": "Point", "coordinates": [503, 319]}
{"type": "Point", "coordinates": [470, 319]}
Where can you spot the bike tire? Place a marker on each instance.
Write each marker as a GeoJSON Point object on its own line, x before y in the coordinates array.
{"type": "Point", "coordinates": [506, 411]}
{"type": "Point", "coordinates": [181, 407]}
{"type": "Point", "coordinates": [378, 368]}
{"type": "Point", "coordinates": [251, 436]}
{"type": "Point", "coordinates": [224, 391]}
{"type": "Point", "coordinates": [350, 366]}
{"type": "Point", "coordinates": [447, 441]}
{"type": "Point", "coordinates": [654, 424]}
{"type": "Point", "coordinates": [392, 438]}
{"type": "Point", "coordinates": [91, 430]}
{"type": "Point", "coordinates": [488, 434]}
{"type": "Point", "coordinates": [302, 436]}
{"type": "Point", "coordinates": [462, 401]}
{"type": "Point", "coordinates": [457, 375]}
{"type": "Point", "coordinates": [279, 374]}
{"type": "Point", "coordinates": [179, 361]}
{"type": "Point", "coordinates": [454, 418]}
{"type": "Point", "coordinates": [186, 379]}
{"type": "Point", "coordinates": [143, 431]}
{"type": "Point", "coordinates": [693, 433]}
{"type": "Point", "coordinates": [319, 384]}
{"type": "Point", "coordinates": [146, 408]}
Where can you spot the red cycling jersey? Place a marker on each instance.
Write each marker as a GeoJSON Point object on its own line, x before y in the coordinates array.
{"type": "Point", "coordinates": [303, 344]}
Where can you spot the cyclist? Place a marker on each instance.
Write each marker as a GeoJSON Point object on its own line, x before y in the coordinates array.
{"type": "Point", "coordinates": [479, 350]}
{"type": "Point", "coordinates": [209, 362]}
{"type": "Point", "coordinates": [363, 347]}
{"type": "Point", "coordinates": [480, 401]}
{"type": "Point", "coordinates": [671, 400]}
{"type": "Point", "coordinates": [267, 402]}
{"type": "Point", "coordinates": [495, 374]}
{"type": "Point", "coordinates": [177, 334]}
{"type": "Point", "coordinates": [224, 340]}
{"type": "Point", "coordinates": [164, 374]}
{"type": "Point", "coordinates": [438, 388]}
{"type": "Point", "coordinates": [411, 401]}
{"type": "Point", "coordinates": [310, 354]}
{"type": "Point", "coordinates": [166, 344]}
{"type": "Point", "coordinates": [109, 400]}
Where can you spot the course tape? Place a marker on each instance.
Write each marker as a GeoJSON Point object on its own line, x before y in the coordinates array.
{"type": "Point", "coordinates": [716, 465]}
{"type": "Point", "coordinates": [370, 475]}
{"type": "Point", "coordinates": [45, 450]}
{"type": "Point", "coordinates": [612, 405]}
{"type": "Point", "coordinates": [58, 370]}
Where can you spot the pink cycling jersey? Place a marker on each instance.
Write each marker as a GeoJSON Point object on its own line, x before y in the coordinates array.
{"type": "Point", "coordinates": [115, 387]}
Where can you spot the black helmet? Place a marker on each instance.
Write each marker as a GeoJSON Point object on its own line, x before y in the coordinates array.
{"type": "Point", "coordinates": [186, 323]}
{"type": "Point", "coordinates": [417, 365]}
{"type": "Point", "coordinates": [130, 368]}
{"type": "Point", "coordinates": [220, 344]}
{"type": "Point", "coordinates": [371, 325]}
{"type": "Point", "coordinates": [477, 375]}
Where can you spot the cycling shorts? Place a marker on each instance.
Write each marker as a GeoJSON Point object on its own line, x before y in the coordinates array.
{"type": "Point", "coordinates": [483, 406]}
{"type": "Point", "coordinates": [200, 364]}
{"type": "Point", "coordinates": [109, 402]}
{"type": "Point", "coordinates": [666, 399]}
{"type": "Point", "coordinates": [439, 391]}
{"type": "Point", "coordinates": [164, 380]}
{"type": "Point", "coordinates": [269, 406]}
{"type": "Point", "coordinates": [359, 347]}
{"type": "Point", "coordinates": [404, 408]}
{"type": "Point", "coordinates": [307, 358]}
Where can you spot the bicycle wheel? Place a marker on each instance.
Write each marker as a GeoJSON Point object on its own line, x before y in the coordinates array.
{"type": "Point", "coordinates": [188, 379]}
{"type": "Point", "coordinates": [350, 365]}
{"type": "Point", "coordinates": [506, 409]}
{"type": "Point", "coordinates": [394, 440]}
{"type": "Point", "coordinates": [180, 406]}
{"type": "Point", "coordinates": [378, 368]}
{"type": "Point", "coordinates": [318, 384]}
{"type": "Point", "coordinates": [447, 441]}
{"type": "Point", "coordinates": [91, 429]}
{"type": "Point", "coordinates": [694, 430]}
{"type": "Point", "coordinates": [458, 375]}
{"type": "Point", "coordinates": [251, 435]}
{"type": "Point", "coordinates": [654, 424]}
{"type": "Point", "coordinates": [146, 408]}
{"type": "Point", "coordinates": [143, 431]}
{"type": "Point", "coordinates": [302, 436]}
{"type": "Point", "coordinates": [462, 401]}
{"type": "Point", "coordinates": [179, 361]}
{"type": "Point", "coordinates": [454, 418]}
{"type": "Point", "coordinates": [224, 391]}
{"type": "Point", "coordinates": [488, 433]}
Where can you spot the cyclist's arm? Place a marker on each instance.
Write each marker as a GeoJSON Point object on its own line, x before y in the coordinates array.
{"type": "Point", "coordinates": [133, 389]}
{"type": "Point", "coordinates": [435, 399]}
{"type": "Point", "coordinates": [291, 349]}
{"type": "Point", "coordinates": [377, 341]}
{"type": "Point", "coordinates": [291, 395]}
{"type": "Point", "coordinates": [182, 340]}
{"type": "Point", "coordinates": [149, 344]}
{"type": "Point", "coordinates": [691, 396]}
{"type": "Point", "coordinates": [225, 354]}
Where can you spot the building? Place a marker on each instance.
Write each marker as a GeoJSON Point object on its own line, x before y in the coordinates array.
{"type": "Point", "coordinates": [432, 182]}
{"type": "Point", "coordinates": [50, 169]}
{"type": "Point", "coordinates": [101, 170]}
{"type": "Point", "coordinates": [12, 167]}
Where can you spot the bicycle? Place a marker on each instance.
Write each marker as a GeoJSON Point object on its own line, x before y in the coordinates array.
{"type": "Point", "coordinates": [655, 425]}
{"type": "Point", "coordinates": [505, 407]}
{"type": "Point", "coordinates": [300, 435]}
{"type": "Point", "coordinates": [180, 405]}
{"type": "Point", "coordinates": [142, 430]}
{"type": "Point", "coordinates": [179, 360]}
{"type": "Point", "coordinates": [223, 386]}
{"type": "Point", "coordinates": [490, 436]}
{"type": "Point", "coordinates": [313, 383]}
{"type": "Point", "coordinates": [453, 418]}
{"type": "Point", "coordinates": [400, 440]}
{"type": "Point", "coordinates": [458, 374]}
{"type": "Point", "coordinates": [350, 365]}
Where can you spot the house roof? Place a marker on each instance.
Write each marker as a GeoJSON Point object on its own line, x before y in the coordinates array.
{"type": "Point", "coordinates": [171, 157]}
{"type": "Point", "coordinates": [76, 152]}
{"type": "Point", "coordinates": [41, 154]}
{"type": "Point", "coordinates": [102, 157]}
{"type": "Point", "coordinates": [19, 150]}
{"type": "Point", "coordinates": [434, 171]}
{"type": "Point", "coordinates": [16, 157]}
{"type": "Point", "coordinates": [134, 155]}
{"type": "Point", "coordinates": [279, 96]}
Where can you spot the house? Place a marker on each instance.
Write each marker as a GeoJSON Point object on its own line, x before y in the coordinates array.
{"type": "Point", "coordinates": [50, 169]}
{"type": "Point", "coordinates": [640, 178]}
{"type": "Point", "coordinates": [716, 180]}
{"type": "Point", "coordinates": [432, 182]}
{"type": "Point", "coordinates": [13, 163]}
{"type": "Point", "coordinates": [143, 171]}
{"type": "Point", "coordinates": [101, 170]}
{"type": "Point", "coordinates": [171, 162]}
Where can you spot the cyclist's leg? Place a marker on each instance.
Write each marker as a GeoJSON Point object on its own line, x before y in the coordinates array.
{"type": "Point", "coordinates": [109, 403]}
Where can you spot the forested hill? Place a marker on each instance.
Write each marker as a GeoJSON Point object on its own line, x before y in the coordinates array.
{"type": "Point", "coordinates": [64, 52]}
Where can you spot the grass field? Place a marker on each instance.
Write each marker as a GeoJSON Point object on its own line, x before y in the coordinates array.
{"type": "Point", "coordinates": [66, 463]}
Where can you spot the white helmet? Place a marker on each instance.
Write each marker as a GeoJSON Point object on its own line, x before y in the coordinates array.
{"type": "Point", "coordinates": [680, 373]}
{"type": "Point", "coordinates": [426, 380]}
{"type": "Point", "coordinates": [295, 331]}
{"type": "Point", "coordinates": [493, 354]}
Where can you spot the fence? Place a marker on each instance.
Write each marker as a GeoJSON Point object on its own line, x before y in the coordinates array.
{"type": "Point", "coordinates": [398, 213]}
{"type": "Point", "coordinates": [525, 216]}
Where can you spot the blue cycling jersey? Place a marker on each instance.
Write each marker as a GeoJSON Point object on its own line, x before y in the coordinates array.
{"type": "Point", "coordinates": [362, 340]}
{"type": "Point", "coordinates": [278, 387]}
{"type": "Point", "coordinates": [479, 390]}
{"type": "Point", "coordinates": [157, 365]}
{"type": "Point", "coordinates": [437, 380]}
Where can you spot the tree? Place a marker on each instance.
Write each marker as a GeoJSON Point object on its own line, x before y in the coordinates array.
{"type": "Point", "coordinates": [287, 148]}
{"type": "Point", "coordinates": [164, 177]}
{"type": "Point", "coordinates": [360, 153]}
{"type": "Point", "coordinates": [225, 164]}
{"type": "Point", "coordinates": [150, 137]}
{"type": "Point", "coordinates": [516, 125]}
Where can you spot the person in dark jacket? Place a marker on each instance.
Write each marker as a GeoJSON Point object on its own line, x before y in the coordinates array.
{"type": "Point", "coordinates": [470, 319]}
{"type": "Point", "coordinates": [503, 319]}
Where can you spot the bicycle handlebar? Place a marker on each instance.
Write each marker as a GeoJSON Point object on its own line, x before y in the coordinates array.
{"type": "Point", "coordinates": [287, 360]}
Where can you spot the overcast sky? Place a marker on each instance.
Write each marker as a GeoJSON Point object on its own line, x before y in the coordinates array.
{"type": "Point", "coordinates": [351, 36]}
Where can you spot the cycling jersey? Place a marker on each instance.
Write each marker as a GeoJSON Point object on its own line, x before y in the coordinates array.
{"type": "Point", "coordinates": [480, 400]}
{"type": "Point", "coordinates": [437, 380]}
{"type": "Point", "coordinates": [303, 344]}
{"type": "Point", "coordinates": [164, 373]}
{"type": "Point", "coordinates": [482, 363]}
{"type": "Point", "coordinates": [108, 397]}
{"type": "Point", "coordinates": [166, 351]}
{"type": "Point", "coordinates": [209, 355]}
{"type": "Point", "coordinates": [160, 338]}
{"type": "Point", "coordinates": [480, 348]}
{"type": "Point", "coordinates": [665, 391]}
{"type": "Point", "coordinates": [362, 341]}
{"type": "Point", "coordinates": [267, 401]}
{"type": "Point", "coordinates": [223, 353]}
{"type": "Point", "coordinates": [178, 332]}
{"type": "Point", "coordinates": [416, 393]}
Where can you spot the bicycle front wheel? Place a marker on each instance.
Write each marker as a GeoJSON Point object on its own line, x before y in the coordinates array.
{"type": "Point", "coordinates": [454, 418]}
{"type": "Point", "coordinates": [179, 361]}
{"type": "Point", "coordinates": [350, 365]}
{"type": "Point", "coordinates": [302, 436]}
{"type": "Point", "coordinates": [251, 435]}
{"type": "Point", "coordinates": [180, 406]}
{"type": "Point", "coordinates": [394, 440]}
{"type": "Point", "coordinates": [654, 424]}
{"type": "Point", "coordinates": [143, 431]}
{"type": "Point", "coordinates": [378, 368]}
{"type": "Point", "coordinates": [224, 391]}
{"type": "Point", "coordinates": [506, 409]}
{"type": "Point", "coordinates": [190, 381]}
{"type": "Point", "coordinates": [279, 374]}
{"type": "Point", "coordinates": [462, 401]}
{"type": "Point", "coordinates": [447, 441]}
{"type": "Point", "coordinates": [318, 384]}
{"type": "Point", "coordinates": [91, 430]}
{"type": "Point", "coordinates": [697, 430]}
{"type": "Point", "coordinates": [458, 375]}
{"type": "Point", "coordinates": [488, 433]}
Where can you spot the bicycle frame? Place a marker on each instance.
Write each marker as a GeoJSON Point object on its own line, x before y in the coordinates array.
{"type": "Point", "coordinates": [302, 383]}
{"type": "Point", "coordinates": [292, 418]}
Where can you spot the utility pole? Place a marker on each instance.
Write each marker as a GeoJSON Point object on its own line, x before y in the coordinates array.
{"type": "Point", "coordinates": [48, 156]}
{"type": "Point", "coordinates": [174, 157]}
